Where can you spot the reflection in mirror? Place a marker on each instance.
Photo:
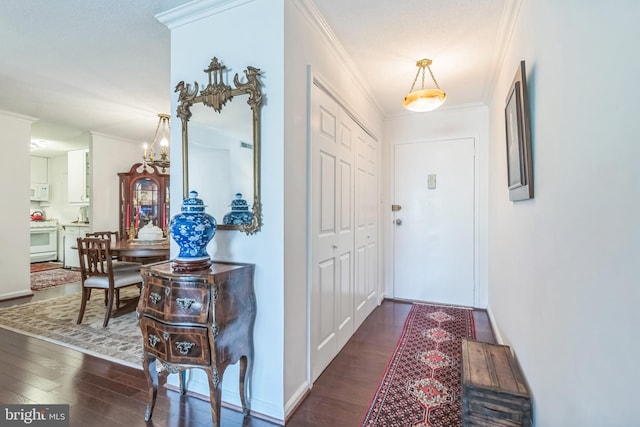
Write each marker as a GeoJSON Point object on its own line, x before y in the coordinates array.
{"type": "Point", "coordinates": [221, 157]}
{"type": "Point", "coordinates": [221, 146]}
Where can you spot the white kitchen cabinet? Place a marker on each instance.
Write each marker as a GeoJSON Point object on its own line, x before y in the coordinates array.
{"type": "Point", "coordinates": [78, 177]}
{"type": "Point", "coordinates": [39, 170]}
{"type": "Point", "coordinates": [71, 234]}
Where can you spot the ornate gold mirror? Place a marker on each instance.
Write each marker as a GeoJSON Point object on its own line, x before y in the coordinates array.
{"type": "Point", "coordinates": [221, 146]}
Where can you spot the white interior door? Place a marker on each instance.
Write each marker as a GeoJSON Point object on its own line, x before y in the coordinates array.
{"type": "Point", "coordinates": [366, 233]}
{"type": "Point", "coordinates": [434, 228]}
{"type": "Point", "coordinates": [332, 223]}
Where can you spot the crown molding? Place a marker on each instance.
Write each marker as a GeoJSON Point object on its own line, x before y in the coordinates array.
{"type": "Point", "coordinates": [18, 116]}
{"type": "Point", "coordinates": [312, 14]}
{"type": "Point", "coordinates": [196, 10]}
{"type": "Point", "coordinates": [510, 15]}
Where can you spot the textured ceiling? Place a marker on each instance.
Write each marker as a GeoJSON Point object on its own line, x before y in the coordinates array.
{"type": "Point", "coordinates": [104, 65]}
{"type": "Point", "coordinates": [386, 38]}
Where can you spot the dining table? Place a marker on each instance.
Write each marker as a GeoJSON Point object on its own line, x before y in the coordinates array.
{"type": "Point", "coordinates": [141, 249]}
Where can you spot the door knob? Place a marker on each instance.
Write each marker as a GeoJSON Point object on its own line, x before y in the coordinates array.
{"type": "Point", "coordinates": [398, 221]}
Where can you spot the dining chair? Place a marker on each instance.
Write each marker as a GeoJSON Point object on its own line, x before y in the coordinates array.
{"type": "Point", "coordinates": [118, 263]}
{"type": "Point", "coordinates": [97, 272]}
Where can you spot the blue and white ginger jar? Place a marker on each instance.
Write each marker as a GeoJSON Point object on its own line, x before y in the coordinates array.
{"type": "Point", "coordinates": [193, 229]}
{"type": "Point", "coordinates": [240, 213]}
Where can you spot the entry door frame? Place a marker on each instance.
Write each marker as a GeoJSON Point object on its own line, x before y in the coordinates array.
{"type": "Point", "coordinates": [390, 241]}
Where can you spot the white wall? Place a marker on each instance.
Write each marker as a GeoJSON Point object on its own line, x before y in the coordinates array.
{"type": "Point", "coordinates": [444, 124]}
{"type": "Point", "coordinates": [279, 250]}
{"type": "Point", "coordinates": [109, 156]}
{"type": "Point", "coordinates": [307, 46]}
{"type": "Point", "coordinates": [239, 34]}
{"type": "Point", "coordinates": [15, 177]}
{"type": "Point", "coordinates": [563, 267]}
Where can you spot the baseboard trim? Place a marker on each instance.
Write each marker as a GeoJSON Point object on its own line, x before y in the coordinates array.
{"type": "Point", "coordinates": [296, 400]}
{"type": "Point", "coordinates": [16, 295]}
{"type": "Point", "coordinates": [230, 406]}
{"type": "Point", "coordinates": [494, 326]}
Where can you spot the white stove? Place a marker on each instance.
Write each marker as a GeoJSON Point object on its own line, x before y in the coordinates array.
{"type": "Point", "coordinates": [44, 224]}
{"type": "Point", "coordinates": [44, 241]}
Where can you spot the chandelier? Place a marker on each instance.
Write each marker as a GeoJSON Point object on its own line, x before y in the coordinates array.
{"type": "Point", "coordinates": [161, 139]}
{"type": "Point", "coordinates": [424, 99]}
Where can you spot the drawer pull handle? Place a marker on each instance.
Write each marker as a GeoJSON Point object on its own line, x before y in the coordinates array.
{"type": "Point", "coordinates": [153, 341]}
{"type": "Point", "coordinates": [167, 290]}
{"type": "Point", "coordinates": [184, 347]}
{"type": "Point", "coordinates": [185, 303]}
{"type": "Point", "coordinates": [154, 297]}
{"type": "Point", "coordinates": [165, 335]}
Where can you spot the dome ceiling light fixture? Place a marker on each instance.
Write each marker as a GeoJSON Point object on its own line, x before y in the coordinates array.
{"type": "Point", "coordinates": [424, 99]}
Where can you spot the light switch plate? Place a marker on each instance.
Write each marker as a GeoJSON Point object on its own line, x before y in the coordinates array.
{"type": "Point", "coordinates": [431, 181]}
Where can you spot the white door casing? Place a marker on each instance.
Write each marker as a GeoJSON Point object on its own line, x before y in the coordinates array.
{"type": "Point", "coordinates": [434, 249]}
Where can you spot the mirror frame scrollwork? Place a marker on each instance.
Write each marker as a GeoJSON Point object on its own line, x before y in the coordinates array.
{"type": "Point", "coordinates": [215, 95]}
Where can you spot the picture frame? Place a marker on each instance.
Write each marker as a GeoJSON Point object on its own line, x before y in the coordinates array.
{"type": "Point", "coordinates": [518, 138]}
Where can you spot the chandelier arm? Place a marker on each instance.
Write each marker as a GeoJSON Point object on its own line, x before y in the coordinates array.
{"type": "Point", "coordinates": [432, 77]}
{"type": "Point", "coordinates": [416, 79]}
{"type": "Point", "coordinates": [149, 156]}
{"type": "Point", "coordinates": [155, 135]}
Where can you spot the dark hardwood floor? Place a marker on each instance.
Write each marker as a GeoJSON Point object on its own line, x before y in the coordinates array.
{"type": "Point", "coordinates": [102, 393]}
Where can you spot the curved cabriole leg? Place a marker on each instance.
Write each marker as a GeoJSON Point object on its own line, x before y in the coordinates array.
{"type": "Point", "coordinates": [246, 365]}
{"type": "Point", "coordinates": [215, 393]}
{"type": "Point", "coordinates": [149, 367]}
{"type": "Point", "coordinates": [183, 381]}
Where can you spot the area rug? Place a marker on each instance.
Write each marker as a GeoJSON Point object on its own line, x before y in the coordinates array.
{"type": "Point", "coordinates": [43, 266]}
{"type": "Point", "coordinates": [421, 384]}
{"type": "Point", "coordinates": [49, 278]}
{"type": "Point", "coordinates": [54, 320]}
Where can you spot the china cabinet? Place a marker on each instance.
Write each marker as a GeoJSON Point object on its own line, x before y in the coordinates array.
{"type": "Point", "coordinates": [144, 199]}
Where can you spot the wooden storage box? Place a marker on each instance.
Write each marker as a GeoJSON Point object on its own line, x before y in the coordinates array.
{"type": "Point", "coordinates": [493, 389]}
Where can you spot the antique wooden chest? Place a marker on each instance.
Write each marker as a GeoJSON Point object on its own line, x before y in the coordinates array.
{"type": "Point", "coordinates": [493, 389]}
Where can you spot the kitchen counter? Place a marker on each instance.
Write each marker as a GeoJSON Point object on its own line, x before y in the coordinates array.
{"type": "Point", "coordinates": [73, 230]}
{"type": "Point", "coordinates": [75, 224]}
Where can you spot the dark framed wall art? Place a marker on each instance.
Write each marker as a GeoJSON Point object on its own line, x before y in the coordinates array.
{"type": "Point", "coordinates": [518, 129]}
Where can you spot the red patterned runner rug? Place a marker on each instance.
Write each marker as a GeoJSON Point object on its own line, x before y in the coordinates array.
{"type": "Point", "coordinates": [421, 385]}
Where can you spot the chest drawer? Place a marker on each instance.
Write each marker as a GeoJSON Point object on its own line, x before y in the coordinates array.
{"type": "Point", "coordinates": [186, 303]}
{"type": "Point", "coordinates": [176, 344]}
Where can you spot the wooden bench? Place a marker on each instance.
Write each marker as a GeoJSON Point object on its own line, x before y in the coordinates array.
{"type": "Point", "coordinates": [493, 389]}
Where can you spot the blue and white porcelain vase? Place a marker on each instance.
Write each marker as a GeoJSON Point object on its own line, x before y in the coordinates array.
{"type": "Point", "coordinates": [240, 213]}
{"type": "Point", "coordinates": [193, 229]}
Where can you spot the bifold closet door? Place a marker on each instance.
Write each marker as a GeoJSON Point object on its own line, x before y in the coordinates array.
{"type": "Point", "coordinates": [366, 232]}
{"type": "Point", "coordinates": [332, 224]}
